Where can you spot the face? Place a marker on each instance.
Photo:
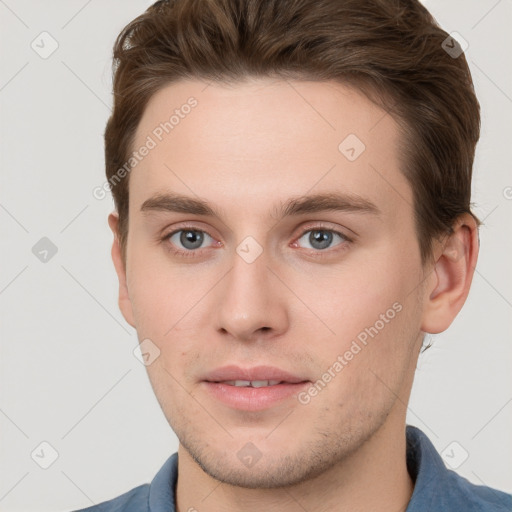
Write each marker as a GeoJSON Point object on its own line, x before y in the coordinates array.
{"type": "Point", "coordinates": [283, 332]}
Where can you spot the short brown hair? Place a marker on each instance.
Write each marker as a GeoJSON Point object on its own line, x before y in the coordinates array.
{"type": "Point", "coordinates": [392, 50]}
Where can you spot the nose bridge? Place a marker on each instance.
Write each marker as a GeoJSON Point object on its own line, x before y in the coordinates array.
{"type": "Point", "coordinates": [250, 296]}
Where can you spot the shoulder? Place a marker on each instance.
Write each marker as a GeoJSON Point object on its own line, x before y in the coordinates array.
{"type": "Point", "coordinates": [475, 498]}
{"type": "Point", "coordinates": [135, 500]}
{"type": "Point", "coordinates": [439, 488]}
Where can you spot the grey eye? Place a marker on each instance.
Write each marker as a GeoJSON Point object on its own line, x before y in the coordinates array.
{"type": "Point", "coordinates": [320, 238]}
{"type": "Point", "coordinates": [189, 239]}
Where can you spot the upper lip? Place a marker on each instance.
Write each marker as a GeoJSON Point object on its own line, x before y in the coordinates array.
{"type": "Point", "coordinates": [233, 372]}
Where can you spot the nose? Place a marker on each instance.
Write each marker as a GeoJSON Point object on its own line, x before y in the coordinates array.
{"type": "Point", "coordinates": [251, 301]}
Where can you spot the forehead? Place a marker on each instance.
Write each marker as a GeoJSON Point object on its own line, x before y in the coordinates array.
{"type": "Point", "coordinates": [251, 142]}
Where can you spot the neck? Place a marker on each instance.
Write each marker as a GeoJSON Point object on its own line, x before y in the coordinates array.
{"type": "Point", "coordinates": [374, 477]}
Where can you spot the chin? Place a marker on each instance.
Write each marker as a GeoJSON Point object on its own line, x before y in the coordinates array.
{"type": "Point", "coordinates": [277, 473]}
{"type": "Point", "coordinates": [271, 470]}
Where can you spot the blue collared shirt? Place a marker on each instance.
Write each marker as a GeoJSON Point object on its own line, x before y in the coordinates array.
{"type": "Point", "coordinates": [436, 488]}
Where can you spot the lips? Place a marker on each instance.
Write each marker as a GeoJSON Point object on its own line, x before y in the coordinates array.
{"type": "Point", "coordinates": [257, 374]}
{"type": "Point", "coordinates": [252, 389]}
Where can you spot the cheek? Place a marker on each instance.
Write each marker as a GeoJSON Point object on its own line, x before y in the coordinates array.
{"type": "Point", "coordinates": [375, 319]}
{"type": "Point", "coordinates": [352, 300]}
{"type": "Point", "coordinates": [168, 310]}
{"type": "Point", "coordinates": [364, 373]}
{"type": "Point", "coordinates": [162, 296]}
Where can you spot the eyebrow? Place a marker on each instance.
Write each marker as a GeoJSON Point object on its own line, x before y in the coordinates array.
{"type": "Point", "coordinates": [294, 206]}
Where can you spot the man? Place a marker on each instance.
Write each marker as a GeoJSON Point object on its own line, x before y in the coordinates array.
{"type": "Point", "coordinates": [292, 183]}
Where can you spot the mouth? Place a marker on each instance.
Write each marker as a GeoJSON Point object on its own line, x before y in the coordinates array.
{"type": "Point", "coordinates": [253, 383]}
{"type": "Point", "coordinates": [253, 389]}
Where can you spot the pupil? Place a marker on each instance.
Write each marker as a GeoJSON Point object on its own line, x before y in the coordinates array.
{"type": "Point", "coordinates": [195, 238]}
{"type": "Point", "coordinates": [322, 238]}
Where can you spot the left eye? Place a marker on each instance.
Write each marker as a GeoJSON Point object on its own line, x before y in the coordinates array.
{"type": "Point", "coordinates": [321, 239]}
{"type": "Point", "coordinates": [190, 239]}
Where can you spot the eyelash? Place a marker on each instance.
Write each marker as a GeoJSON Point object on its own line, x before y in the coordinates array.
{"type": "Point", "coordinates": [193, 253]}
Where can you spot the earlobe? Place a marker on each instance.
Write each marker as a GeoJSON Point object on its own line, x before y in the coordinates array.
{"type": "Point", "coordinates": [452, 275]}
{"type": "Point", "coordinates": [124, 301]}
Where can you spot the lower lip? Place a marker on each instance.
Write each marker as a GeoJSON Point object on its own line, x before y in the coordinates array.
{"type": "Point", "coordinates": [253, 399]}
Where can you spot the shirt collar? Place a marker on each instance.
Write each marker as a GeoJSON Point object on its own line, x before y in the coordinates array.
{"type": "Point", "coordinates": [425, 467]}
{"type": "Point", "coordinates": [163, 487]}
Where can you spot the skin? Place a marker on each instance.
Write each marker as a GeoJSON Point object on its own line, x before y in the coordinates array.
{"type": "Point", "coordinates": [245, 148]}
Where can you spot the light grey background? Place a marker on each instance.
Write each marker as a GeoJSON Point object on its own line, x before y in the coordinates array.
{"type": "Point", "coordinates": [68, 373]}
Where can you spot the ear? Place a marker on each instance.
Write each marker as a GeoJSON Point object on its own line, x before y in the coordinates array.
{"type": "Point", "coordinates": [448, 285]}
{"type": "Point", "coordinates": [124, 301]}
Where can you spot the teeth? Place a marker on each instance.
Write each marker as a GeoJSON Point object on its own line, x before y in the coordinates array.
{"type": "Point", "coordinates": [259, 383]}
{"type": "Point", "coordinates": [252, 383]}
{"type": "Point", "coordinates": [242, 383]}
